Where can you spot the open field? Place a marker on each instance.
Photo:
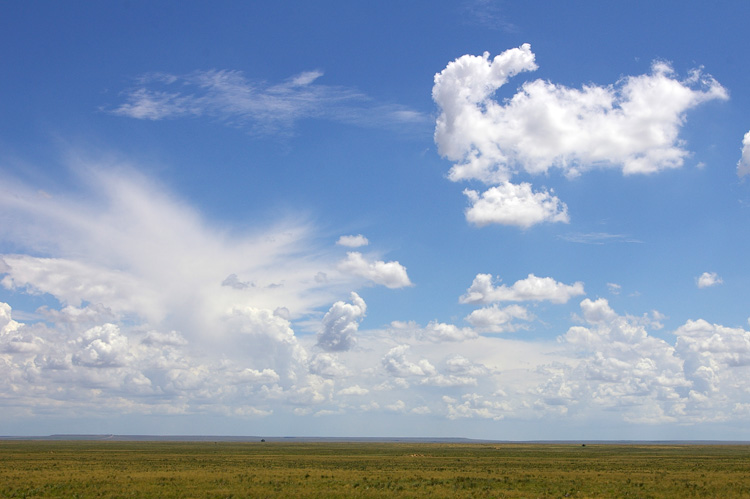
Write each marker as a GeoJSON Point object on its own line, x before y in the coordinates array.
{"type": "Point", "coordinates": [352, 469]}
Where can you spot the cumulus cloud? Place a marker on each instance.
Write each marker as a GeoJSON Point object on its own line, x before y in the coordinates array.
{"type": "Point", "coordinates": [511, 204]}
{"type": "Point", "coordinates": [632, 125]}
{"type": "Point", "coordinates": [262, 107]}
{"type": "Point", "coordinates": [102, 346]}
{"type": "Point", "coordinates": [354, 390]}
{"type": "Point", "coordinates": [533, 288]}
{"type": "Point", "coordinates": [327, 365]}
{"type": "Point", "coordinates": [717, 358]}
{"type": "Point", "coordinates": [161, 311]}
{"type": "Point", "coordinates": [353, 241]}
{"type": "Point", "coordinates": [743, 165]}
{"type": "Point", "coordinates": [498, 320]}
{"type": "Point", "coordinates": [623, 366]}
{"type": "Point", "coordinates": [388, 274]}
{"type": "Point", "coordinates": [185, 344]}
{"type": "Point", "coordinates": [434, 331]}
{"type": "Point", "coordinates": [397, 364]}
{"type": "Point", "coordinates": [708, 279]}
{"type": "Point", "coordinates": [340, 324]}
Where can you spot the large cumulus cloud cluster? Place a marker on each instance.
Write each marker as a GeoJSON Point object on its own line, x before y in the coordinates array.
{"type": "Point", "coordinates": [632, 125]}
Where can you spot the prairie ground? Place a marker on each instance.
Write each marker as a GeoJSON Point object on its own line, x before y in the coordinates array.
{"type": "Point", "coordinates": [86, 469]}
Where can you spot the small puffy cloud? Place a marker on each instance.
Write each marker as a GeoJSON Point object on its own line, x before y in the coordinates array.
{"type": "Point", "coordinates": [353, 241]}
{"type": "Point", "coordinates": [396, 363]}
{"type": "Point", "coordinates": [354, 390]}
{"type": "Point", "coordinates": [533, 288]}
{"type": "Point", "coordinates": [597, 311]}
{"type": "Point", "coordinates": [614, 288]}
{"type": "Point", "coordinates": [708, 279]}
{"type": "Point", "coordinates": [340, 324]}
{"type": "Point", "coordinates": [476, 406]}
{"type": "Point", "coordinates": [498, 320]}
{"type": "Point", "coordinates": [514, 204]}
{"type": "Point", "coordinates": [436, 332]}
{"type": "Point", "coordinates": [389, 274]}
{"type": "Point", "coordinates": [102, 346]}
{"type": "Point", "coordinates": [7, 324]}
{"type": "Point", "coordinates": [743, 165]}
{"type": "Point", "coordinates": [398, 406]}
{"type": "Point", "coordinates": [450, 380]}
{"type": "Point", "coordinates": [327, 365]}
{"type": "Point", "coordinates": [459, 365]}
{"type": "Point", "coordinates": [632, 125]}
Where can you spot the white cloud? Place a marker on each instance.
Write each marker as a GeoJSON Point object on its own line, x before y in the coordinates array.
{"type": "Point", "coordinates": [476, 406]}
{"type": "Point", "coordinates": [389, 274]}
{"type": "Point", "coordinates": [717, 358]}
{"type": "Point", "coordinates": [614, 288]}
{"type": "Point", "coordinates": [102, 346]}
{"type": "Point", "coordinates": [460, 365]}
{"type": "Point", "coordinates": [340, 324]}
{"type": "Point", "coordinates": [188, 345]}
{"type": "Point", "coordinates": [511, 204]}
{"type": "Point", "coordinates": [632, 125]}
{"type": "Point", "coordinates": [263, 107]}
{"type": "Point", "coordinates": [708, 279]}
{"type": "Point", "coordinates": [532, 288]}
{"type": "Point", "coordinates": [354, 390]}
{"type": "Point", "coordinates": [743, 165]}
{"type": "Point", "coordinates": [328, 366]}
{"type": "Point", "coordinates": [396, 363]}
{"type": "Point", "coordinates": [623, 367]}
{"type": "Point", "coordinates": [109, 247]}
{"type": "Point", "coordinates": [353, 241]}
{"type": "Point", "coordinates": [498, 320]}
{"type": "Point", "coordinates": [155, 301]}
{"type": "Point", "coordinates": [438, 331]}
{"type": "Point", "coordinates": [434, 331]}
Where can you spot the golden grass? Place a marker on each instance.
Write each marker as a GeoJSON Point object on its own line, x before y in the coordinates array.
{"type": "Point", "coordinates": [283, 469]}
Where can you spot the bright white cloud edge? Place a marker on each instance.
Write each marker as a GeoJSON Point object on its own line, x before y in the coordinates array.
{"type": "Point", "coordinates": [708, 279]}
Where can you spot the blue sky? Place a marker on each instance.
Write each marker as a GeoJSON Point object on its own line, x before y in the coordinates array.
{"type": "Point", "coordinates": [485, 219]}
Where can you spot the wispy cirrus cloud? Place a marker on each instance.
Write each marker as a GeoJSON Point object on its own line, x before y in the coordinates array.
{"type": "Point", "coordinates": [597, 238]}
{"type": "Point", "coordinates": [487, 14]}
{"type": "Point", "coordinates": [264, 108]}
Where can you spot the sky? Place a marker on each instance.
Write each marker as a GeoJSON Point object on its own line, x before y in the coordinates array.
{"type": "Point", "coordinates": [482, 219]}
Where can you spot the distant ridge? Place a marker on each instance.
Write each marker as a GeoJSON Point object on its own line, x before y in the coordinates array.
{"type": "Point", "coordinates": [257, 438]}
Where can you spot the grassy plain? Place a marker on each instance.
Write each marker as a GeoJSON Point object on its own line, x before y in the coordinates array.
{"type": "Point", "coordinates": [347, 469]}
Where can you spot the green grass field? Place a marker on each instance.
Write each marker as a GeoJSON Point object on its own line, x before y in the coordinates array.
{"type": "Point", "coordinates": [282, 469]}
